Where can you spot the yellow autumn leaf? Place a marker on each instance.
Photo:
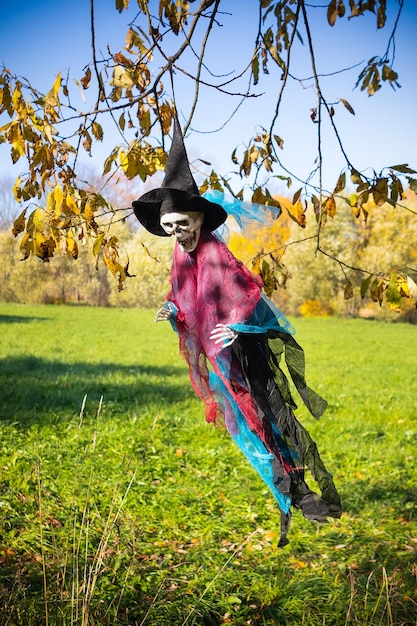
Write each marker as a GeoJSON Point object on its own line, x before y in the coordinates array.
{"type": "Point", "coordinates": [123, 160]}
{"type": "Point", "coordinates": [341, 183]}
{"type": "Point", "coordinates": [85, 80]}
{"type": "Point", "coordinates": [296, 196]}
{"type": "Point", "coordinates": [17, 98]}
{"type": "Point", "coordinates": [330, 206]}
{"type": "Point", "coordinates": [148, 252]}
{"type": "Point", "coordinates": [111, 259]}
{"type": "Point", "coordinates": [98, 242]}
{"type": "Point", "coordinates": [122, 78]}
{"type": "Point", "coordinates": [377, 289]}
{"type": "Point", "coordinates": [87, 141]}
{"type": "Point", "coordinates": [36, 219]}
{"type": "Point", "coordinates": [412, 287]}
{"type": "Point", "coordinates": [89, 211]}
{"type": "Point", "coordinates": [19, 223]}
{"type": "Point", "coordinates": [301, 217]}
{"type": "Point", "coordinates": [17, 190]}
{"type": "Point", "coordinates": [110, 160]}
{"type": "Point", "coordinates": [254, 153]}
{"type": "Point", "coordinates": [332, 13]}
{"type": "Point", "coordinates": [71, 205]}
{"type": "Point", "coordinates": [380, 191]}
{"type": "Point", "coordinates": [57, 84]}
{"type": "Point", "coordinates": [39, 156]}
{"type": "Point", "coordinates": [347, 105]}
{"type": "Point", "coordinates": [392, 294]}
{"type": "Point", "coordinates": [97, 131]}
{"type": "Point", "coordinates": [72, 246]}
{"type": "Point", "coordinates": [348, 291]}
{"type": "Point", "coordinates": [43, 246]}
{"type": "Point", "coordinates": [26, 246]}
{"type": "Point", "coordinates": [49, 131]}
{"type": "Point", "coordinates": [256, 264]}
{"type": "Point", "coordinates": [355, 177]}
{"type": "Point", "coordinates": [16, 138]}
{"type": "Point", "coordinates": [58, 196]}
{"type": "Point", "coordinates": [122, 4]}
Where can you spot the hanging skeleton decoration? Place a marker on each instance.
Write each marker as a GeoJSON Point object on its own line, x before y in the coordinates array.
{"type": "Point", "coordinates": [233, 338]}
{"type": "Point", "coordinates": [185, 227]}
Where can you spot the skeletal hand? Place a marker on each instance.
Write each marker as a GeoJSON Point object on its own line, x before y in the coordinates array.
{"type": "Point", "coordinates": [223, 334]}
{"type": "Point", "coordinates": [164, 314]}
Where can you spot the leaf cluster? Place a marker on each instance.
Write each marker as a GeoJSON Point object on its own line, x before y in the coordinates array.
{"type": "Point", "coordinates": [130, 92]}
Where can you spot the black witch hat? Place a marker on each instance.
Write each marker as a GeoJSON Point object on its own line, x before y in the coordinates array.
{"type": "Point", "coordinates": [178, 193]}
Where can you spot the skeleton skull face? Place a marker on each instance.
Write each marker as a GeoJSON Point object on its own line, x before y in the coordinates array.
{"type": "Point", "coordinates": [185, 227]}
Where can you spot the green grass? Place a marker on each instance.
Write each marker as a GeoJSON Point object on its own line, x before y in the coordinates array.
{"type": "Point", "coordinates": [120, 505]}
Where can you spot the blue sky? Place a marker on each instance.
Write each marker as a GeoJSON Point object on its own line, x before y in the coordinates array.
{"type": "Point", "coordinates": [39, 39]}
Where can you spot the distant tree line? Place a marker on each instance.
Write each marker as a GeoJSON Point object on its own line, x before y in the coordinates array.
{"type": "Point", "coordinates": [132, 86]}
{"type": "Point", "coordinates": [303, 283]}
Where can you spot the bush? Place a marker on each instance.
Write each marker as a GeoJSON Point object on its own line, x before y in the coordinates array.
{"type": "Point", "coordinates": [315, 308]}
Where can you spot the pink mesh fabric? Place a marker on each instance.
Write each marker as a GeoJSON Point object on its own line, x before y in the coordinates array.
{"type": "Point", "coordinates": [210, 287]}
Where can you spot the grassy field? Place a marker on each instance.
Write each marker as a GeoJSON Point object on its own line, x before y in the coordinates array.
{"type": "Point", "coordinates": [120, 505]}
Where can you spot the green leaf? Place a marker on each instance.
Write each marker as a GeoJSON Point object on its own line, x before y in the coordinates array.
{"type": "Point", "coordinates": [381, 17]}
{"type": "Point", "coordinates": [121, 4]}
{"type": "Point", "coordinates": [404, 169]}
{"type": "Point", "coordinates": [255, 69]}
{"type": "Point", "coordinates": [413, 184]}
{"type": "Point", "coordinates": [19, 223]}
{"type": "Point", "coordinates": [353, 200]}
{"type": "Point", "coordinates": [110, 160]}
{"type": "Point", "coordinates": [392, 294]}
{"type": "Point", "coordinates": [98, 242]}
{"type": "Point", "coordinates": [365, 285]}
{"type": "Point", "coordinates": [377, 290]}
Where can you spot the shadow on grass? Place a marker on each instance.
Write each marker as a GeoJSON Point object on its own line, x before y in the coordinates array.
{"type": "Point", "coordinates": [387, 492]}
{"type": "Point", "coordinates": [35, 390]}
{"type": "Point", "coordinates": [20, 319]}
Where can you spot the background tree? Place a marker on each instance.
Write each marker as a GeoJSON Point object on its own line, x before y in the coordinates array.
{"type": "Point", "coordinates": [9, 208]}
{"type": "Point", "coordinates": [366, 259]}
{"type": "Point", "coordinates": [167, 46]}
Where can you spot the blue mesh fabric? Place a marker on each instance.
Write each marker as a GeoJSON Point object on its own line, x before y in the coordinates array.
{"type": "Point", "coordinates": [243, 212]}
{"type": "Point", "coordinates": [265, 317]}
{"type": "Point", "coordinates": [248, 442]}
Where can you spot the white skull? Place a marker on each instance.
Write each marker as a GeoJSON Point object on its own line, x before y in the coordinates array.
{"type": "Point", "coordinates": [185, 227]}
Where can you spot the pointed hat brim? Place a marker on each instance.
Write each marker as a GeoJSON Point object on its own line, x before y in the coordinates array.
{"type": "Point", "coordinates": [179, 191]}
{"type": "Point", "coordinates": [148, 208]}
